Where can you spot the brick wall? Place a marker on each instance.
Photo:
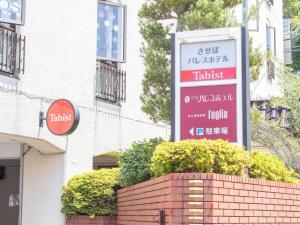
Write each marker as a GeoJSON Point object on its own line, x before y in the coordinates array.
{"type": "Point", "coordinates": [85, 220]}
{"type": "Point", "coordinates": [196, 199]}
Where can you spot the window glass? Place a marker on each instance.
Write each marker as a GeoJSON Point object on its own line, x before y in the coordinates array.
{"type": "Point", "coordinates": [110, 32]}
{"type": "Point", "coordinates": [271, 40]}
{"type": "Point", "coordinates": [11, 11]}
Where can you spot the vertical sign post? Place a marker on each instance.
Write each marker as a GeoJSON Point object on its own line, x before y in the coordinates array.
{"type": "Point", "coordinates": [207, 98]}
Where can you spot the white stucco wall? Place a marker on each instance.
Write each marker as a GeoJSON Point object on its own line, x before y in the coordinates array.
{"type": "Point", "coordinates": [272, 16]}
{"type": "Point", "coordinates": [42, 185]}
{"type": "Point", "coordinates": [61, 63]}
{"type": "Point", "coordinates": [10, 150]}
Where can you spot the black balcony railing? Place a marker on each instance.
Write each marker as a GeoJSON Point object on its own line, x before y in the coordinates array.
{"type": "Point", "coordinates": [111, 83]}
{"type": "Point", "coordinates": [12, 52]}
{"type": "Point", "coordinates": [269, 112]}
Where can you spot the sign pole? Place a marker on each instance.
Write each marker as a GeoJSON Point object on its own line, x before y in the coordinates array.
{"type": "Point", "coordinates": [246, 79]}
{"type": "Point", "coordinates": [173, 88]}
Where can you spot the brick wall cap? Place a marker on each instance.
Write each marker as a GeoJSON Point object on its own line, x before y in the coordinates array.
{"type": "Point", "coordinates": [209, 176]}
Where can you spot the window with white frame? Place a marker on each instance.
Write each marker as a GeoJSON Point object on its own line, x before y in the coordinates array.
{"type": "Point", "coordinates": [111, 32]}
{"type": "Point", "coordinates": [271, 47]}
{"type": "Point", "coordinates": [271, 40]}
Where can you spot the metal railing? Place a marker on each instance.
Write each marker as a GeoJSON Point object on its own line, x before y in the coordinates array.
{"type": "Point", "coordinates": [12, 52]}
{"type": "Point", "coordinates": [111, 83]}
{"type": "Point", "coordinates": [270, 112]}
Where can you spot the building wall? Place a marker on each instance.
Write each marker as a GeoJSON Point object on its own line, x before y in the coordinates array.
{"type": "Point", "coordinates": [272, 15]}
{"type": "Point", "coordinates": [263, 88]}
{"type": "Point", "coordinates": [43, 177]}
{"type": "Point", "coordinates": [61, 63]}
{"type": "Point", "coordinates": [10, 150]}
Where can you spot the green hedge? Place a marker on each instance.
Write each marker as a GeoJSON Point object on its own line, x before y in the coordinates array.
{"type": "Point", "coordinates": [204, 156]}
{"type": "Point", "coordinates": [221, 157]}
{"type": "Point", "coordinates": [269, 167]}
{"type": "Point", "coordinates": [135, 162]}
{"type": "Point", "coordinates": [91, 194]}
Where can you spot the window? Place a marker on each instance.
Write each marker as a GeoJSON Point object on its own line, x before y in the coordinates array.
{"type": "Point", "coordinates": [111, 32]}
{"type": "Point", "coordinates": [12, 51]}
{"type": "Point", "coordinates": [271, 38]}
{"type": "Point", "coordinates": [12, 11]}
{"type": "Point", "coordinates": [271, 47]}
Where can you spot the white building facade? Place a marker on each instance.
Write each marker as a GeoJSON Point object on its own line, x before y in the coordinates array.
{"type": "Point", "coordinates": [61, 58]}
{"type": "Point", "coordinates": [78, 51]}
{"type": "Point", "coordinates": [267, 34]}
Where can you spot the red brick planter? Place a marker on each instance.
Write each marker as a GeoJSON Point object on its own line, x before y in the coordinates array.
{"type": "Point", "coordinates": [198, 199]}
{"type": "Point", "coordinates": [85, 220]}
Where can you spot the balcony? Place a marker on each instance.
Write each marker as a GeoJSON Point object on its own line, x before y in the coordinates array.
{"type": "Point", "coordinates": [111, 83]}
{"type": "Point", "coordinates": [12, 52]}
{"type": "Point", "coordinates": [270, 112]}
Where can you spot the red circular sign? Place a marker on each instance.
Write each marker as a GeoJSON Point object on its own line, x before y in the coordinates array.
{"type": "Point", "coordinates": [62, 117]}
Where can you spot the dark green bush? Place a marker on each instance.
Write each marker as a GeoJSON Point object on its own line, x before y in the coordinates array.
{"type": "Point", "coordinates": [135, 162]}
{"type": "Point", "coordinates": [269, 167]}
{"type": "Point", "coordinates": [199, 156]}
{"type": "Point", "coordinates": [91, 194]}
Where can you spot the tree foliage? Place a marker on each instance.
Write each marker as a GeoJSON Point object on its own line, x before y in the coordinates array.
{"type": "Point", "coordinates": [282, 137]}
{"type": "Point", "coordinates": [269, 167]}
{"type": "Point", "coordinates": [158, 18]}
{"type": "Point", "coordinates": [135, 162]}
{"type": "Point", "coordinates": [257, 59]}
{"type": "Point", "coordinates": [290, 85]}
{"type": "Point", "coordinates": [292, 10]}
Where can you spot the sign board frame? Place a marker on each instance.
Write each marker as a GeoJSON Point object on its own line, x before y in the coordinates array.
{"type": "Point", "coordinates": [74, 120]}
{"type": "Point", "coordinates": [206, 36]}
{"type": "Point", "coordinates": [21, 21]}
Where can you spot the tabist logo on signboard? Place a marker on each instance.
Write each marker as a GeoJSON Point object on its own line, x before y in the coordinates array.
{"type": "Point", "coordinates": [62, 117]}
{"type": "Point", "coordinates": [207, 85]}
{"type": "Point", "coordinates": [208, 61]}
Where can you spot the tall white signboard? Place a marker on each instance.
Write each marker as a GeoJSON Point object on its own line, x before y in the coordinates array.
{"type": "Point", "coordinates": [207, 85]}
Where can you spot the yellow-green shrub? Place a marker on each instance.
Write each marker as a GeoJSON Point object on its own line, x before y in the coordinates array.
{"type": "Point", "coordinates": [229, 159]}
{"type": "Point", "coordinates": [269, 167]}
{"type": "Point", "coordinates": [203, 156]}
{"type": "Point", "coordinates": [91, 194]}
{"type": "Point", "coordinates": [179, 157]}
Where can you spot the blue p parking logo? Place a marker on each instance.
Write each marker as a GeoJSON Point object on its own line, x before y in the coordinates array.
{"type": "Point", "coordinates": [200, 131]}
